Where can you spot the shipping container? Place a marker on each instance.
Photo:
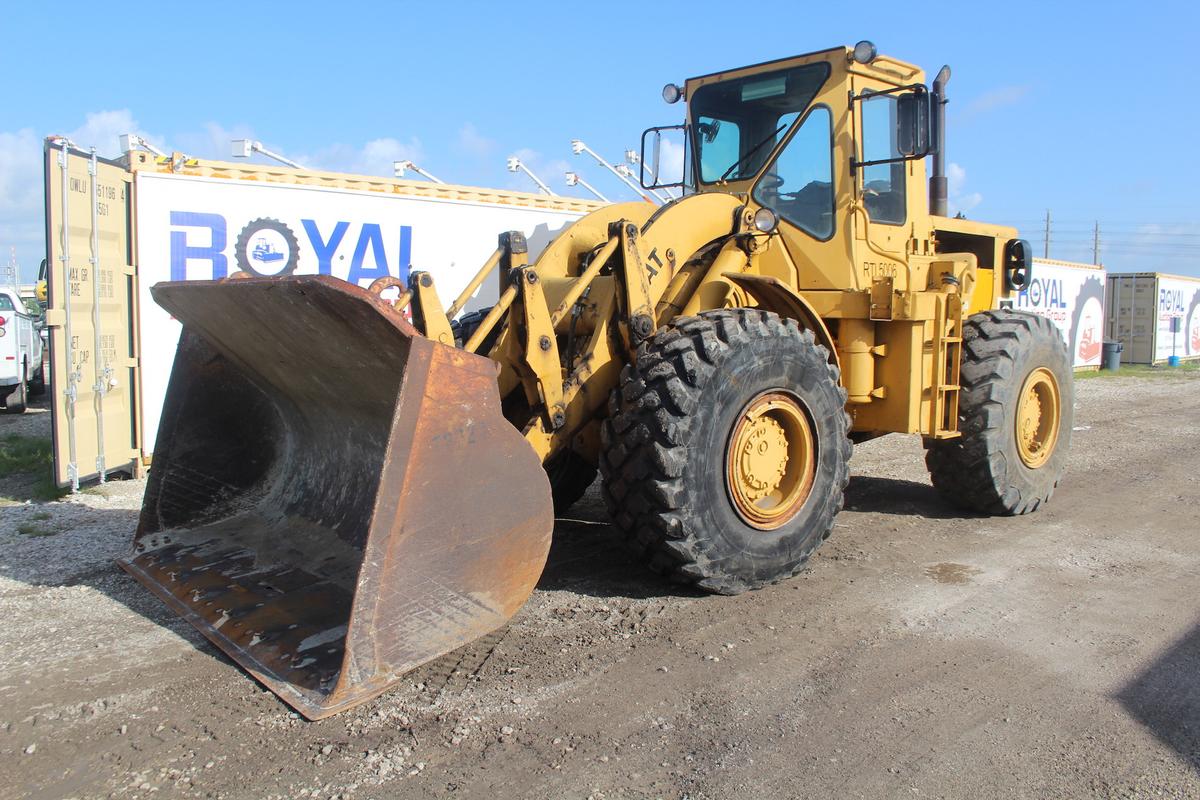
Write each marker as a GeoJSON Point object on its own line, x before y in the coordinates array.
{"type": "Point", "coordinates": [1070, 295]}
{"type": "Point", "coordinates": [114, 228]}
{"type": "Point", "coordinates": [1154, 316]}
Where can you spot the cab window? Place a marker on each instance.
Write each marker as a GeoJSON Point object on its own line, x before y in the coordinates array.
{"type": "Point", "coordinates": [6, 303]}
{"type": "Point", "coordinates": [799, 185]}
{"type": "Point", "coordinates": [882, 184]}
{"type": "Point", "coordinates": [737, 123]}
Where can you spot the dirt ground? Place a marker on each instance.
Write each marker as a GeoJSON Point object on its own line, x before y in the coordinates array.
{"type": "Point", "coordinates": [922, 654]}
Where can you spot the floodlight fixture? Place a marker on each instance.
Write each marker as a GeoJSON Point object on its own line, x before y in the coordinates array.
{"type": "Point", "coordinates": [131, 141]}
{"type": "Point", "coordinates": [578, 148]}
{"type": "Point", "coordinates": [399, 168]}
{"type": "Point", "coordinates": [514, 164]}
{"type": "Point", "coordinates": [243, 148]}
{"type": "Point", "coordinates": [573, 179]}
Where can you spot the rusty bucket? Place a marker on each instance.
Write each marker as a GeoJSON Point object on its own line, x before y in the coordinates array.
{"type": "Point", "coordinates": [334, 499]}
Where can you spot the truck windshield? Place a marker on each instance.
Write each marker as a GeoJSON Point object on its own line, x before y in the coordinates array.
{"type": "Point", "coordinates": [736, 124]}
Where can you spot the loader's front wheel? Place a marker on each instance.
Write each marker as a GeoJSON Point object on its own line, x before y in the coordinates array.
{"type": "Point", "coordinates": [726, 452]}
{"type": "Point", "coordinates": [1015, 415]}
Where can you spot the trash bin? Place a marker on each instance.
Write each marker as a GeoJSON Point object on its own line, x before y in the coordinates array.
{"type": "Point", "coordinates": [1111, 358]}
{"type": "Point", "coordinates": [1172, 361]}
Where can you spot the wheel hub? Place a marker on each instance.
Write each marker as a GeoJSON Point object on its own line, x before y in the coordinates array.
{"type": "Point", "coordinates": [1038, 412]}
{"type": "Point", "coordinates": [771, 460]}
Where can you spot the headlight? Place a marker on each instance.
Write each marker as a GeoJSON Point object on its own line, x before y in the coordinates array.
{"type": "Point", "coordinates": [865, 52]}
{"type": "Point", "coordinates": [672, 93]}
{"type": "Point", "coordinates": [765, 220]}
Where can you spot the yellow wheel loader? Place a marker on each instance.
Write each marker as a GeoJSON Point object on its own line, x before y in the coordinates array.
{"type": "Point", "coordinates": [339, 495]}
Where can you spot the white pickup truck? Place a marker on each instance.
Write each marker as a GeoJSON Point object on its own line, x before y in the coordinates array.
{"type": "Point", "coordinates": [21, 371]}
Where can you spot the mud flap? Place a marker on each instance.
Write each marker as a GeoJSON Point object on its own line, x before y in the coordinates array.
{"type": "Point", "coordinates": [334, 499]}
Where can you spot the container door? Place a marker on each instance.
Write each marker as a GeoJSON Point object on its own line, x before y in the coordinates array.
{"type": "Point", "coordinates": [93, 365]}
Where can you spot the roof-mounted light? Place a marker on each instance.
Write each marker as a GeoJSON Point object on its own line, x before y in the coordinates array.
{"type": "Point", "coordinates": [865, 52]}
{"type": "Point", "coordinates": [672, 93]}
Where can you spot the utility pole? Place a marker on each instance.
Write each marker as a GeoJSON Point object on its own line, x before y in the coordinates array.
{"type": "Point", "coordinates": [1046, 250]}
{"type": "Point", "coordinates": [1096, 245]}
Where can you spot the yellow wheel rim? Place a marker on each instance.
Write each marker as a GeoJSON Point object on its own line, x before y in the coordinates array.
{"type": "Point", "coordinates": [1038, 413]}
{"type": "Point", "coordinates": [771, 460]}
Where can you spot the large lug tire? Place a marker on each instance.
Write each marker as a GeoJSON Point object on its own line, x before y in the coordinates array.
{"type": "Point", "coordinates": [570, 476]}
{"type": "Point", "coordinates": [684, 473]}
{"type": "Point", "coordinates": [465, 326]}
{"type": "Point", "coordinates": [1015, 414]}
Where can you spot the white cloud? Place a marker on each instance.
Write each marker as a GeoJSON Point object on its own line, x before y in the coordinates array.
{"type": "Point", "coordinates": [103, 130]}
{"type": "Point", "coordinates": [376, 157]}
{"type": "Point", "coordinates": [474, 143]}
{"type": "Point", "coordinates": [960, 200]}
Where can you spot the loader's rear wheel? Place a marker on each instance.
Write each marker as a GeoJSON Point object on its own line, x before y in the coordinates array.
{"type": "Point", "coordinates": [570, 477]}
{"type": "Point", "coordinates": [1015, 415]}
{"type": "Point", "coordinates": [725, 452]}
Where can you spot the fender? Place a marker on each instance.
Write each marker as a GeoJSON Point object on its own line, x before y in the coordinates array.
{"type": "Point", "coordinates": [772, 294]}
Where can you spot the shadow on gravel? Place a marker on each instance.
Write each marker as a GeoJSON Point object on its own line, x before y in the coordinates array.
{"type": "Point", "coordinates": [1166, 698]}
{"type": "Point", "coordinates": [895, 496]}
{"type": "Point", "coordinates": [588, 556]}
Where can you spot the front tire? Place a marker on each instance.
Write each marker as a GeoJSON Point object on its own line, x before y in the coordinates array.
{"type": "Point", "coordinates": [1015, 416]}
{"type": "Point", "coordinates": [725, 454]}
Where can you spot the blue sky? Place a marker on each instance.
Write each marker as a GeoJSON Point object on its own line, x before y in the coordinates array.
{"type": "Point", "coordinates": [1081, 107]}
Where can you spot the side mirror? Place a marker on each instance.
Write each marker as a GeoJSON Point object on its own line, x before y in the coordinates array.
{"type": "Point", "coordinates": [1018, 264]}
{"type": "Point", "coordinates": [663, 166]}
{"type": "Point", "coordinates": [912, 122]}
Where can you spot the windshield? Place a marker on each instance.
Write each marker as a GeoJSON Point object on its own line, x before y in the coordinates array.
{"type": "Point", "coordinates": [737, 123]}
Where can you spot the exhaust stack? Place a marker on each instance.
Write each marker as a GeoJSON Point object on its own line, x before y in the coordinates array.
{"type": "Point", "coordinates": [938, 185]}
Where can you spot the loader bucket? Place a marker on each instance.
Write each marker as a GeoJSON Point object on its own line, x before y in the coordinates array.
{"type": "Point", "coordinates": [334, 499]}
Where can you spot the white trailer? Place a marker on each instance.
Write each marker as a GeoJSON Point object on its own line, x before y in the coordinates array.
{"type": "Point", "coordinates": [116, 228]}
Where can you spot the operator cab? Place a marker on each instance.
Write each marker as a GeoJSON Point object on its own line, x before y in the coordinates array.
{"type": "Point", "coordinates": [780, 132]}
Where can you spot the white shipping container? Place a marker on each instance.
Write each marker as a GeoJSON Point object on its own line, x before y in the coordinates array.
{"type": "Point", "coordinates": [117, 227]}
{"type": "Point", "coordinates": [1154, 316]}
{"type": "Point", "coordinates": [1071, 296]}
{"type": "Point", "coordinates": [202, 228]}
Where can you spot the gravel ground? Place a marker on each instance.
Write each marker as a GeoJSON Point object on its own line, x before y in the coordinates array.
{"type": "Point", "coordinates": [922, 654]}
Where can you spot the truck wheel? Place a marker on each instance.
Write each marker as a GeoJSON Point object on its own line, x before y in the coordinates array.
{"type": "Point", "coordinates": [17, 398]}
{"type": "Point", "coordinates": [1015, 414]}
{"type": "Point", "coordinates": [570, 477]}
{"type": "Point", "coordinates": [37, 386]}
{"type": "Point", "coordinates": [725, 454]}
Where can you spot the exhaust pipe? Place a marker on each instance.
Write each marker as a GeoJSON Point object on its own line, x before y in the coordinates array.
{"type": "Point", "coordinates": [938, 185]}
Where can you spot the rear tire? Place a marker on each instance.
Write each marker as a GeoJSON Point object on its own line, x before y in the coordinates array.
{"type": "Point", "coordinates": [465, 326]}
{"type": "Point", "coordinates": [681, 443]}
{"type": "Point", "coordinates": [1015, 367]}
{"type": "Point", "coordinates": [17, 399]}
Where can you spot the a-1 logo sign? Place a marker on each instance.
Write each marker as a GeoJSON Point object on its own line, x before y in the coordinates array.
{"type": "Point", "coordinates": [268, 247]}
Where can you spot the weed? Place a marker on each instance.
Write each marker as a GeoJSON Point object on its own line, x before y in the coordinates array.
{"type": "Point", "coordinates": [33, 529]}
{"type": "Point", "coordinates": [28, 456]}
